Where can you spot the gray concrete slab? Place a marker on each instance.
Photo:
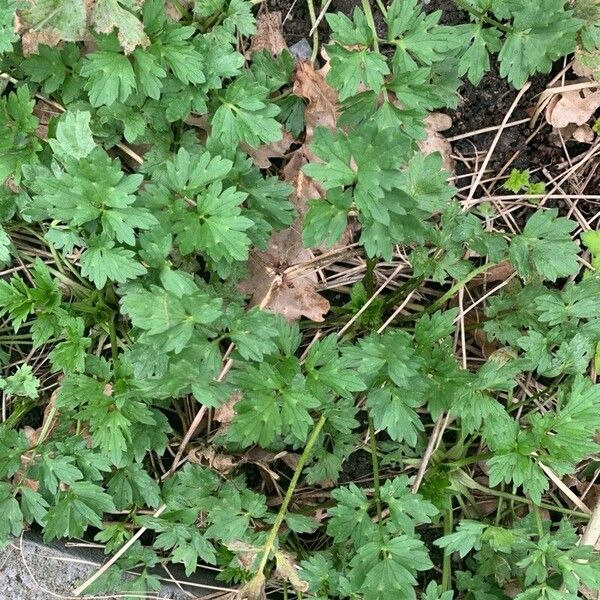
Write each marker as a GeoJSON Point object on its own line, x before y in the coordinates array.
{"type": "Point", "coordinates": [30, 570]}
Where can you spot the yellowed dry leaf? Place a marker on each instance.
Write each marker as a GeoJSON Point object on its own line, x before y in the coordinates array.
{"type": "Point", "coordinates": [173, 12]}
{"type": "Point", "coordinates": [512, 589]}
{"type": "Point", "coordinates": [575, 107]}
{"type": "Point", "coordinates": [31, 40]}
{"type": "Point", "coordinates": [435, 142]}
{"type": "Point", "coordinates": [287, 570]}
{"type": "Point", "coordinates": [102, 16]}
{"type": "Point", "coordinates": [254, 589]}
{"type": "Point", "coordinates": [587, 64]}
{"type": "Point", "coordinates": [290, 295]}
{"type": "Point", "coordinates": [246, 554]}
{"type": "Point", "coordinates": [322, 109]}
{"type": "Point", "coordinates": [269, 34]}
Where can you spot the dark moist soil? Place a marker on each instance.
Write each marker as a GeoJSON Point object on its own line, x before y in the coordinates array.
{"type": "Point", "coordinates": [298, 24]}
{"type": "Point", "coordinates": [487, 105]}
{"type": "Point", "coordinates": [482, 106]}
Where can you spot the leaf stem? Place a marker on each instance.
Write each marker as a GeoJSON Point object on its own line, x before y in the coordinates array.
{"type": "Point", "coordinates": [447, 562]}
{"type": "Point", "coordinates": [114, 343]}
{"type": "Point", "coordinates": [457, 286]}
{"type": "Point", "coordinates": [538, 519]}
{"type": "Point", "coordinates": [376, 485]}
{"type": "Point", "coordinates": [315, 37]}
{"type": "Point", "coordinates": [470, 483]}
{"type": "Point", "coordinates": [111, 300]}
{"type": "Point", "coordinates": [382, 8]}
{"type": "Point", "coordinates": [18, 412]}
{"type": "Point", "coordinates": [482, 16]}
{"type": "Point", "coordinates": [47, 424]}
{"type": "Point", "coordinates": [289, 493]}
{"type": "Point", "coordinates": [469, 460]}
{"type": "Point", "coordinates": [368, 280]}
{"type": "Point", "coordinates": [371, 23]}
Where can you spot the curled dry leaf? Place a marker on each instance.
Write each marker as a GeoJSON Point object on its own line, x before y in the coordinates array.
{"type": "Point", "coordinates": [575, 107]}
{"type": "Point", "coordinates": [435, 142]}
{"type": "Point", "coordinates": [474, 321]}
{"type": "Point", "coordinates": [50, 412]}
{"type": "Point", "coordinates": [269, 34]}
{"type": "Point", "coordinates": [222, 463]}
{"type": "Point", "coordinates": [500, 272]}
{"type": "Point", "coordinates": [322, 109]}
{"type": "Point", "coordinates": [262, 155]}
{"type": "Point", "coordinates": [225, 413]}
{"type": "Point", "coordinates": [584, 134]}
{"type": "Point", "coordinates": [305, 188]}
{"type": "Point", "coordinates": [273, 287]}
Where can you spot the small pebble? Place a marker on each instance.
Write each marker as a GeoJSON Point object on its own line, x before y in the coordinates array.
{"type": "Point", "coordinates": [301, 50]}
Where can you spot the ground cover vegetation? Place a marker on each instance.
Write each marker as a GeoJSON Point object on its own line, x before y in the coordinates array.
{"type": "Point", "coordinates": [249, 323]}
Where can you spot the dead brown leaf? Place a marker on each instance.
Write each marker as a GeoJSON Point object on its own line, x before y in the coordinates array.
{"type": "Point", "coordinates": [322, 109]}
{"type": "Point", "coordinates": [287, 570]}
{"type": "Point", "coordinates": [222, 463]}
{"type": "Point", "coordinates": [269, 34]}
{"type": "Point", "coordinates": [254, 589]}
{"type": "Point", "coordinates": [575, 107]}
{"type": "Point", "coordinates": [500, 272]}
{"type": "Point", "coordinates": [262, 155]}
{"type": "Point", "coordinates": [225, 413]}
{"type": "Point", "coordinates": [246, 554]}
{"type": "Point", "coordinates": [37, 28]}
{"type": "Point", "coordinates": [173, 12]}
{"type": "Point", "coordinates": [31, 40]}
{"type": "Point", "coordinates": [435, 142]}
{"type": "Point", "coordinates": [512, 589]}
{"type": "Point", "coordinates": [305, 188]}
{"type": "Point", "coordinates": [272, 288]}
{"type": "Point", "coordinates": [485, 507]}
{"type": "Point", "coordinates": [291, 460]}
{"type": "Point", "coordinates": [33, 436]}
{"type": "Point", "coordinates": [44, 111]}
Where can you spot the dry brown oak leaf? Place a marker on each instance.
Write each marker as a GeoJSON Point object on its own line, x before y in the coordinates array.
{"type": "Point", "coordinates": [279, 282]}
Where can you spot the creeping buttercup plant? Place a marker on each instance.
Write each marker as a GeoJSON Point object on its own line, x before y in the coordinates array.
{"type": "Point", "coordinates": [133, 137]}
